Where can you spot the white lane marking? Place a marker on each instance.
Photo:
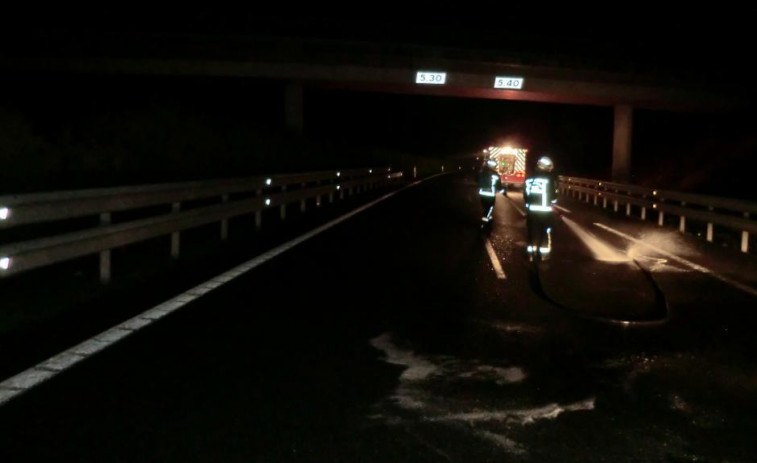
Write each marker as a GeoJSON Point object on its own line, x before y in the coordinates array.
{"type": "Point", "coordinates": [60, 362]}
{"type": "Point", "coordinates": [31, 378]}
{"type": "Point", "coordinates": [20, 383]}
{"type": "Point", "coordinates": [697, 267]}
{"type": "Point", "coordinates": [495, 260]}
{"type": "Point", "coordinates": [510, 199]}
{"type": "Point", "coordinates": [601, 251]}
{"type": "Point", "coordinates": [562, 209]}
{"type": "Point", "coordinates": [521, 211]}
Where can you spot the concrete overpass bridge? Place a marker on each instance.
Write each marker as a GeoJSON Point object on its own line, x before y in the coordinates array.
{"type": "Point", "coordinates": [395, 68]}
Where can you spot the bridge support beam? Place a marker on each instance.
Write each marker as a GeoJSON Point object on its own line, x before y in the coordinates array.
{"type": "Point", "coordinates": [621, 143]}
{"type": "Point", "coordinates": [293, 115]}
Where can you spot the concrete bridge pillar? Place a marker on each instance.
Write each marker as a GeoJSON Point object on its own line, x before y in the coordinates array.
{"type": "Point", "coordinates": [621, 143]}
{"type": "Point", "coordinates": [294, 119]}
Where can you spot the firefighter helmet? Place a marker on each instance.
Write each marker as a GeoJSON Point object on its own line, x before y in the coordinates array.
{"type": "Point", "coordinates": [545, 164]}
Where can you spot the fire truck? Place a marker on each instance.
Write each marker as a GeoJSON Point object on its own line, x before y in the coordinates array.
{"type": "Point", "coordinates": [511, 165]}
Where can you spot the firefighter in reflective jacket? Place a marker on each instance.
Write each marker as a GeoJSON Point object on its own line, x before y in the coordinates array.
{"type": "Point", "coordinates": [539, 194]}
{"type": "Point", "coordinates": [489, 184]}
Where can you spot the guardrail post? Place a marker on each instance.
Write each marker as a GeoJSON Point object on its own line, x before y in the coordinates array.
{"type": "Point", "coordinates": [604, 202]}
{"type": "Point", "coordinates": [224, 222]}
{"type": "Point", "coordinates": [643, 213]}
{"type": "Point", "coordinates": [341, 193]}
{"type": "Point", "coordinates": [596, 198]}
{"type": "Point", "coordinates": [258, 213]}
{"type": "Point", "coordinates": [744, 241]}
{"type": "Point", "coordinates": [415, 172]}
{"type": "Point", "coordinates": [615, 206]}
{"type": "Point", "coordinates": [682, 220]}
{"type": "Point", "coordinates": [284, 205]}
{"type": "Point", "coordinates": [105, 255]}
{"type": "Point", "coordinates": [587, 198]}
{"type": "Point", "coordinates": [175, 236]}
{"type": "Point", "coordinates": [628, 209]}
{"type": "Point", "coordinates": [579, 196]}
{"type": "Point", "coordinates": [745, 237]}
{"type": "Point", "coordinates": [661, 218]}
{"type": "Point", "coordinates": [709, 227]}
{"type": "Point", "coordinates": [442, 169]}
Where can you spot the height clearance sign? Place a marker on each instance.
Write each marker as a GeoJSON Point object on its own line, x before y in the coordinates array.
{"type": "Point", "coordinates": [440, 78]}
{"type": "Point", "coordinates": [515, 83]}
{"type": "Point", "coordinates": [430, 77]}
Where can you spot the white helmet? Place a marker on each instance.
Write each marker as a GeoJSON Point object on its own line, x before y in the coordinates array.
{"type": "Point", "coordinates": [545, 164]}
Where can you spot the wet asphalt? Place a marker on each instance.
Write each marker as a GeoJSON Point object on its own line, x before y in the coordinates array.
{"type": "Point", "coordinates": [390, 338]}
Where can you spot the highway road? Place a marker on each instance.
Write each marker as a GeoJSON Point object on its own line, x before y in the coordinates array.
{"type": "Point", "coordinates": [407, 333]}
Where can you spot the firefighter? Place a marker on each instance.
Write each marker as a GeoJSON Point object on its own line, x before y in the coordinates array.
{"type": "Point", "coordinates": [489, 184]}
{"type": "Point", "coordinates": [539, 194]}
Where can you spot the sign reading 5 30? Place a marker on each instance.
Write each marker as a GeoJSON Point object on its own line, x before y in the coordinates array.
{"type": "Point", "coordinates": [424, 77]}
{"type": "Point", "coordinates": [509, 82]}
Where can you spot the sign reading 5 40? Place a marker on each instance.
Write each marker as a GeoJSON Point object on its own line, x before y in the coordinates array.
{"type": "Point", "coordinates": [508, 82]}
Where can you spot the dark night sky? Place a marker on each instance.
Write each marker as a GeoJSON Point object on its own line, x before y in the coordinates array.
{"type": "Point", "coordinates": [649, 32]}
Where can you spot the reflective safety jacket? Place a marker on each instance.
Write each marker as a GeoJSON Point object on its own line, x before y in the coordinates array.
{"type": "Point", "coordinates": [540, 192]}
{"type": "Point", "coordinates": [488, 182]}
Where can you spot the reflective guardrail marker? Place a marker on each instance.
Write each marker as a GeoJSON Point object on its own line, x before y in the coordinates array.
{"type": "Point", "coordinates": [4, 213]}
{"type": "Point", "coordinates": [430, 77]}
{"type": "Point", "coordinates": [5, 263]}
{"type": "Point", "coordinates": [268, 181]}
{"type": "Point", "coordinates": [515, 83]}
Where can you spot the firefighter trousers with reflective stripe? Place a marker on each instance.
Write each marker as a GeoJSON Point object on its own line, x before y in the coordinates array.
{"type": "Point", "coordinates": [538, 223]}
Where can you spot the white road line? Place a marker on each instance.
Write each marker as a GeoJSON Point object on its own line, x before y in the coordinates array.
{"type": "Point", "coordinates": [705, 270]}
{"type": "Point", "coordinates": [521, 211]}
{"type": "Point", "coordinates": [20, 383]}
{"type": "Point", "coordinates": [562, 209]}
{"type": "Point", "coordinates": [495, 260]}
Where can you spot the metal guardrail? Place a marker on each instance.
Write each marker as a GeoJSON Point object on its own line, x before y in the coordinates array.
{"type": "Point", "coordinates": [713, 210]}
{"type": "Point", "coordinates": [256, 195]}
